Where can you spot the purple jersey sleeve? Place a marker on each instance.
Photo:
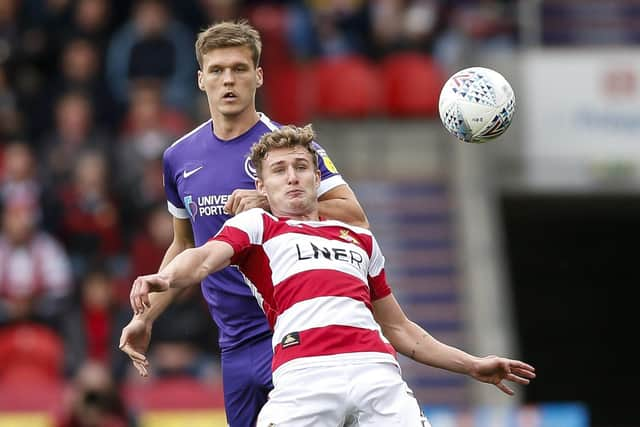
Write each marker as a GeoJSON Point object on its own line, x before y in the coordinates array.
{"type": "Point", "coordinates": [169, 181]}
{"type": "Point", "coordinates": [329, 174]}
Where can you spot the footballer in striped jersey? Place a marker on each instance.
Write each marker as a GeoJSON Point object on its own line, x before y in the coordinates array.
{"type": "Point", "coordinates": [335, 320]}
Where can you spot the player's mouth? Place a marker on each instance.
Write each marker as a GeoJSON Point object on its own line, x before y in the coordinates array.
{"type": "Point", "coordinates": [295, 193]}
{"type": "Point", "coordinates": [229, 96]}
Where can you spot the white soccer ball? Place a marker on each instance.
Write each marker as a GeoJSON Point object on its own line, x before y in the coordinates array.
{"type": "Point", "coordinates": [476, 104]}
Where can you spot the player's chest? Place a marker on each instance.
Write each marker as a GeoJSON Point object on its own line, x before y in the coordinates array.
{"type": "Point", "coordinates": [332, 250]}
{"type": "Point", "coordinates": [214, 175]}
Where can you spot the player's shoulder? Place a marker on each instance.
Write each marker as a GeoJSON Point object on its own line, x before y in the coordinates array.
{"type": "Point", "coordinates": [268, 123]}
{"type": "Point", "coordinates": [183, 142]}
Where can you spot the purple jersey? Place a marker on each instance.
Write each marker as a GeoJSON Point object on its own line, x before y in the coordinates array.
{"type": "Point", "coordinates": [200, 173]}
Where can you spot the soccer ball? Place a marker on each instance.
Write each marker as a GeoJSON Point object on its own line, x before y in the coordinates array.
{"type": "Point", "coordinates": [476, 104]}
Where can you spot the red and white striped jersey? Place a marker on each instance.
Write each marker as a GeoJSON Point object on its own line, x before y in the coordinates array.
{"type": "Point", "coordinates": [315, 281]}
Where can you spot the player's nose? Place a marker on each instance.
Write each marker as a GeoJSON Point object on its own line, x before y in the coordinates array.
{"type": "Point", "coordinates": [292, 176]}
{"type": "Point", "coordinates": [227, 76]}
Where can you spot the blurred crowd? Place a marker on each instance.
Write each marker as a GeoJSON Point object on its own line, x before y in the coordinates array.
{"type": "Point", "coordinates": [91, 94]}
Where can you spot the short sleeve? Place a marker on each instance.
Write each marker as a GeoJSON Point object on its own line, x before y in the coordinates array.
{"type": "Point", "coordinates": [174, 203]}
{"type": "Point", "coordinates": [377, 277]}
{"type": "Point", "coordinates": [242, 230]}
{"type": "Point", "coordinates": [330, 177]}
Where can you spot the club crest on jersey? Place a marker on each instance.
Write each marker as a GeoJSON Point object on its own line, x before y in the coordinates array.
{"type": "Point", "coordinates": [190, 206]}
{"type": "Point", "coordinates": [250, 169]}
{"type": "Point", "coordinates": [327, 161]}
{"type": "Point", "coordinates": [344, 235]}
{"type": "Point", "coordinates": [291, 339]}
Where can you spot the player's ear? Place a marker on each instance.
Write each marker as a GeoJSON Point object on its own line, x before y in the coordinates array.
{"type": "Point", "coordinates": [259, 77]}
{"type": "Point", "coordinates": [200, 80]}
{"type": "Point", "coordinates": [260, 187]}
{"type": "Point", "coordinates": [318, 178]}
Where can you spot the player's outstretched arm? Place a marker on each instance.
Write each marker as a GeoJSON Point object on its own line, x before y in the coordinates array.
{"type": "Point", "coordinates": [188, 268]}
{"type": "Point", "coordinates": [413, 341]}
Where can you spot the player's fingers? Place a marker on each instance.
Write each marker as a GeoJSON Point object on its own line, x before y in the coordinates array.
{"type": "Point", "coordinates": [238, 200]}
{"type": "Point", "coordinates": [243, 205]}
{"type": "Point", "coordinates": [524, 373]}
{"type": "Point", "coordinates": [134, 355]}
{"type": "Point", "coordinates": [505, 389]}
{"type": "Point", "coordinates": [227, 206]}
{"type": "Point", "coordinates": [517, 379]}
{"type": "Point", "coordinates": [124, 337]}
{"type": "Point", "coordinates": [146, 303]}
{"type": "Point", "coordinates": [132, 294]}
{"type": "Point", "coordinates": [521, 365]}
{"type": "Point", "coordinates": [142, 370]}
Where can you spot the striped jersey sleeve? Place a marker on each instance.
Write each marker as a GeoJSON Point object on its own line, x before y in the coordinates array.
{"type": "Point", "coordinates": [377, 277]}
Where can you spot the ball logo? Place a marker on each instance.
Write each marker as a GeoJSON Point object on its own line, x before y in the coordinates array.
{"type": "Point", "coordinates": [250, 169]}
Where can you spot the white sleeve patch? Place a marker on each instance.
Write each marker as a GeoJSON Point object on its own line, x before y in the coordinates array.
{"type": "Point", "coordinates": [176, 211]}
{"type": "Point", "coordinates": [330, 183]}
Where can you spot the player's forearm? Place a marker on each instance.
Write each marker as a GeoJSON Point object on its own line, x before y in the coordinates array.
{"type": "Point", "coordinates": [193, 265]}
{"type": "Point", "coordinates": [345, 210]}
{"type": "Point", "coordinates": [414, 342]}
{"type": "Point", "coordinates": [186, 269]}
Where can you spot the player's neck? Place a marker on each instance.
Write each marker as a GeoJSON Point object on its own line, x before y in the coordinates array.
{"type": "Point", "coordinates": [309, 216]}
{"type": "Point", "coordinates": [229, 127]}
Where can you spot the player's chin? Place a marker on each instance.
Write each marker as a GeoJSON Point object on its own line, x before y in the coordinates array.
{"type": "Point", "coordinates": [231, 109]}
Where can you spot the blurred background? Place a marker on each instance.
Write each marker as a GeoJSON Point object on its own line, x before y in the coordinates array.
{"type": "Point", "coordinates": [522, 247]}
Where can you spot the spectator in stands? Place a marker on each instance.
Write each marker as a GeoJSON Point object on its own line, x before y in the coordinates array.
{"type": "Point", "coordinates": [473, 26]}
{"type": "Point", "coordinates": [35, 273]}
{"type": "Point", "coordinates": [74, 133]}
{"type": "Point", "coordinates": [80, 69]}
{"type": "Point", "coordinates": [91, 224]}
{"type": "Point", "coordinates": [149, 128]}
{"type": "Point", "coordinates": [36, 284]}
{"type": "Point", "coordinates": [99, 306]}
{"type": "Point", "coordinates": [95, 401]}
{"type": "Point", "coordinates": [404, 25]}
{"type": "Point", "coordinates": [153, 45]}
{"type": "Point", "coordinates": [10, 116]}
{"type": "Point", "coordinates": [327, 28]}
{"type": "Point", "coordinates": [18, 171]}
{"type": "Point", "coordinates": [91, 19]}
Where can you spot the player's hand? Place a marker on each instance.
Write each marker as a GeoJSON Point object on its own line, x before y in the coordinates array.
{"type": "Point", "coordinates": [494, 370]}
{"type": "Point", "coordinates": [242, 200]}
{"type": "Point", "coordinates": [134, 341]}
{"type": "Point", "coordinates": [141, 288]}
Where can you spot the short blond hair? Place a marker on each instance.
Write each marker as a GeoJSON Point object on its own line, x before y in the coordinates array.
{"type": "Point", "coordinates": [229, 34]}
{"type": "Point", "coordinates": [286, 136]}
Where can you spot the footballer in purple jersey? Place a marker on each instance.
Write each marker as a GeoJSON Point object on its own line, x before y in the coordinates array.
{"type": "Point", "coordinates": [206, 176]}
{"type": "Point", "coordinates": [200, 173]}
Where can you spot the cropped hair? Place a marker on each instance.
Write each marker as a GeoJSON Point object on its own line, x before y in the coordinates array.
{"type": "Point", "coordinates": [286, 136]}
{"type": "Point", "coordinates": [229, 34]}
